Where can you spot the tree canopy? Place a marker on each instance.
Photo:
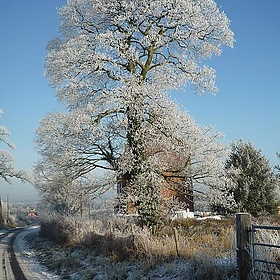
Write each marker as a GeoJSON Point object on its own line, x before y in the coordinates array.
{"type": "Point", "coordinates": [109, 47]}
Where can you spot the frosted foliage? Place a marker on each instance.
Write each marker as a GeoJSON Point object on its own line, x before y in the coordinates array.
{"type": "Point", "coordinates": [175, 143]}
{"type": "Point", "coordinates": [85, 139]}
{"type": "Point", "coordinates": [277, 188]}
{"type": "Point", "coordinates": [72, 146]}
{"type": "Point", "coordinates": [4, 133]}
{"type": "Point", "coordinates": [105, 44]}
{"type": "Point", "coordinates": [7, 169]}
{"type": "Point", "coordinates": [253, 182]}
{"type": "Point", "coordinates": [171, 134]}
{"type": "Point", "coordinates": [81, 139]}
{"type": "Point", "coordinates": [221, 199]}
{"type": "Point", "coordinates": [64, 194]}
{"type": "Point", "coordinates": [65, 189]}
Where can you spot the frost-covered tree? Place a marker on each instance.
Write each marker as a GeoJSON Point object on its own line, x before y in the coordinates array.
{"type": "Point", "coordinates": [7, 170]}
{"type": "Point", "coordinates": [253, 182]}
{"type": "Point", "coordinates": [63, 174]}
{"type": "Point", "coordinates": [64, 195]}
{"type": "Point", "coordinates": [115, 58]}
{"type": "Point", "coordinates": [178, 150]}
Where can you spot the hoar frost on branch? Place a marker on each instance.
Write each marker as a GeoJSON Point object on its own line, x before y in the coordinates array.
{"type": "Point", "coordinates": [112, 68]}
{"type": "Point", "coordinates": [109, 43]}
{"type": "Point", "coordinates": [7, 170]}
{"type": "Point", "coordinates": [62, 193]}
{"type": "Point", "coordinates": [72, 147]}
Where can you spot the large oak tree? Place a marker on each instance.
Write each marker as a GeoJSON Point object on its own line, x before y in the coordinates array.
{"type": "Point", "coordinates": [111, 66]}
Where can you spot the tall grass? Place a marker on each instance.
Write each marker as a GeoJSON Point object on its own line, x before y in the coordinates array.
{"type": "Point", "coordinates": [208, 245]}
{"type": "Point", "coordinates": [206, 248]}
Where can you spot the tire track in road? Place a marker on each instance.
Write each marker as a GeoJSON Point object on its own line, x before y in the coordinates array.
{"type": "Point", "coordinates": [13, 260]}
{"type": "Point", "coordinates": [10, 269]}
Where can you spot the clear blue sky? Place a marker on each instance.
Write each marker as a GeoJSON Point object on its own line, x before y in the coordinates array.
{"type": "Point", "coordinates": [246, 106]}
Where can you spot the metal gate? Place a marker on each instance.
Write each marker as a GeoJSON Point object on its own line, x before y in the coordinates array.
{"type": "Point", "coordinates": [266, 256]}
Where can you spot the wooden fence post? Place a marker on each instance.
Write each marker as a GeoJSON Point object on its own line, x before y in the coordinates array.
{"type": "Point", "coordinates": [132, 233]}
{"type": "Point", "coordinates": [176, 241]}
{"type": "Point", "coordinates": [111, 229]}
{"type": "Point", "coordinates": [243, 243]}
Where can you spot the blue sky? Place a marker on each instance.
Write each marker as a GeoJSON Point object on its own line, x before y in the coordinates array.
{"type": "Point", "coordinates": [246, 105]}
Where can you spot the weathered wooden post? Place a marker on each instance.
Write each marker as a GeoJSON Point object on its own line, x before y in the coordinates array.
{"type": "Point", "coordinates": [111, 229]}
{"type": "Point", "coordinates": [243, 243]}
{"type": "Point", "coordinates": [132, 234]}
{"type": "Point", "coordinates": [176, 241]}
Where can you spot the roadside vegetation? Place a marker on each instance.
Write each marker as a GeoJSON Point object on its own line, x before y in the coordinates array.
{"type": "Point", "coordinates": [112, 247]}
{"type": "Point", "coordinates": [205, 249]}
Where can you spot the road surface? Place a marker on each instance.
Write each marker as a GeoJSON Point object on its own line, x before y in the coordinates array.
{"type": "Point", "coordinates": [9, 266]}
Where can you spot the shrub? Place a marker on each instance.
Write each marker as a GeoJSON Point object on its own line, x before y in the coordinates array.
{"type": "Point", "coordinates": [60, 231]}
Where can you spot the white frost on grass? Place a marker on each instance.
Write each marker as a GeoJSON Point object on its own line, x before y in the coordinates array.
{"type": "Point", "coordinates": [81, 263]}
{"type": "Point", "coordinates": [30, 265]}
